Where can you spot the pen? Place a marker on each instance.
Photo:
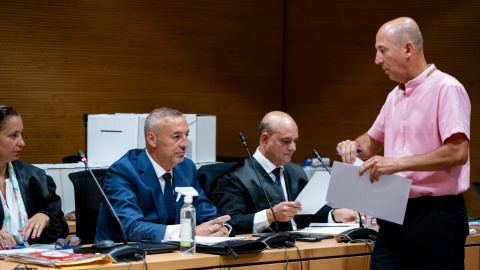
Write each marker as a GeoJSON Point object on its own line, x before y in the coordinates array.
{"type": "Point", "coordinates": [358, 151]}
{"type": "Point", "coordinates": [18, 247]}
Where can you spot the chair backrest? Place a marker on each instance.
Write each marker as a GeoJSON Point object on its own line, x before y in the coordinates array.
{"type": "Point", "coordinates": [87, 202]}
{"type": "Point", "coordinates": [209, 173]}
{"type": "Point", "coordinates": [71, 159]}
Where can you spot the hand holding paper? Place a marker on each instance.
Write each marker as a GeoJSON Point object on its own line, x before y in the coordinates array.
{"type": "Point", "coordinates": [385, 199]}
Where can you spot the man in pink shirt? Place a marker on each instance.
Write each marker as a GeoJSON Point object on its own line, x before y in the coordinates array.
{"type": "Point", "coordinates": [424, 129]}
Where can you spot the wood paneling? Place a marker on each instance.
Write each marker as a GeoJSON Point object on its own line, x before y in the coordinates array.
{"type": "Point", "coordinates": [60, 59]}
{"type": "Point", "coordinates": [233, 59]}
{"type": "Point", "coordinates": [332, 86]}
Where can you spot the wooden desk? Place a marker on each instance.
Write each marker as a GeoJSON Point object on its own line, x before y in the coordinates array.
{"type": "Point", "coordinates": [327, 254]}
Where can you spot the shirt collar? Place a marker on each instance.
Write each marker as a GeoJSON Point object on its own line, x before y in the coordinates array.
{"type": "Point", "coordinates": [414, 83]}
{"type": "Point", "coordinates": [158, 169]}
{"type": "Point", "coordinates": [266, 164]}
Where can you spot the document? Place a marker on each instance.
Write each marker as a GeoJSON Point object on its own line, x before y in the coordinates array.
{"type": "Point", "coordinates": [386, 198]}
{"type": "Point", "coordinates": [210, 240]}
{"type": "Point", "coordinates": [313, 195]}
{"type": "Point", "coordinates": [327, 230]}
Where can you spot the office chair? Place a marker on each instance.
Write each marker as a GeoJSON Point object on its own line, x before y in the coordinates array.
{"type": "Point", "coordinates": [207, 174]}
{"type": "Point", "coordinates": [71, 159]}
{"type": "Point", "coordinates": [87, 202]}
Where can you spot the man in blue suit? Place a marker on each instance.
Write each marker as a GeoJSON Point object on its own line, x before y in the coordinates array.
{"type": "Point", "coordinates": [140, 186]}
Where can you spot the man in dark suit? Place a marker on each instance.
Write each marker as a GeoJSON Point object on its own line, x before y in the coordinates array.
{"type": "Point", "coordinates": [140, 186]}
{"type": "Point", "coordinates": [239, 193]}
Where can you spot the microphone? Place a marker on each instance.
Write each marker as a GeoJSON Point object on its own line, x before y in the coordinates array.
{"type": "Point", "coordinates": [85, 124]}
{"type": "Point", "coordinates": [319, 158]}
{"type": "Point", "coordinates": [278, 239]}
{"type": "Point", "coordinates": [123, 252]}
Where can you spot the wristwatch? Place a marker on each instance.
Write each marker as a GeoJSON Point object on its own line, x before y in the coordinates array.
{"type": "Point", "coordinates": [333, 216]}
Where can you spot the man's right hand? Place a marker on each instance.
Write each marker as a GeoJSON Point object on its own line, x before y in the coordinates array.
{"type": "Point", "coordinates": [348, 151]}
{"type": "Point", "coordinates": [284, 211]}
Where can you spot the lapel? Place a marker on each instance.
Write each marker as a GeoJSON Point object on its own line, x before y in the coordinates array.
{"type": "Point", "coordinates": [272, 191]}
{"type": "Point", "coordinates": [149, 177]}
{"type": "Point", "coordinates": [23, 177]}
{"type": "Point", "coordinates": [180, 180]}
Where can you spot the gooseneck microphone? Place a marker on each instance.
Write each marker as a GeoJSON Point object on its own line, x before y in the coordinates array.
{"type": "Point", "coordinates": [320, 158]}
{"type": "Point", "coordinates": [276, 240]}
{"type": "Point", "coordinates": [123, 252]}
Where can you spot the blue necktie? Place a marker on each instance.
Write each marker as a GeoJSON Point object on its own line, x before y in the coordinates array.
{"type": "Point", "coordinates": [278, 184]}
{"type": "Point", "coordinates": [169, 199]}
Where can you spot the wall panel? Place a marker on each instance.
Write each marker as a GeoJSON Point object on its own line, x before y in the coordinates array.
{"type": "Point", "coordinates": [60, 59]}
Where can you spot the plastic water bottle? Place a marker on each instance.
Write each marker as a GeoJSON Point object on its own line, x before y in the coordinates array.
{"type": "Point", "coordinates": [187, 221]}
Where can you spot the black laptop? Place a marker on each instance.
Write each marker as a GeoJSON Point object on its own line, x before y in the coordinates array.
{"type": "Point", "coordinates": [150, 248]}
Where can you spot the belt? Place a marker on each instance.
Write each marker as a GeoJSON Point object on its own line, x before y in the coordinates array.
{"type": "Point", "coordinates": [435, 201]}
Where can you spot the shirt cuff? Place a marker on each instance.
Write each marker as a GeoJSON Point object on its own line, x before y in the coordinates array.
{"type": "Point", "coordinates": [260, 221]}
{"type": "Point", "coordinates": [330, 217]}
{"type": "Point", "coordinates": [229, 227]}
{"type": "Point", "coordinates": [172, 231]}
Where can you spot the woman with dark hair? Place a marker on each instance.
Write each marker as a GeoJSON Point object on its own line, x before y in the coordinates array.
{"type": "Point", "coordinates": [30, 209]}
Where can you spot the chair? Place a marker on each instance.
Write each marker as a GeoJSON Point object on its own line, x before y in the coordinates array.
{"type": "Point", "coordinates": [71, 159]}
{"type": "Point", "coordinates": [207, 174]}
{"type": "Point", "coordinates": [87, 202]}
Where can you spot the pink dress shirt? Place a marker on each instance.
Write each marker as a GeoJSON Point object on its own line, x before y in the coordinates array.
{"type": "Point", "coordinates": [416, 119]}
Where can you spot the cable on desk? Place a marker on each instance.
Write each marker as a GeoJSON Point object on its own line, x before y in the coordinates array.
{"type": "Point", "coordinates": [300, 256]}
{"type": "Point", "coordinates": [366, 241]}
{"type": "Point", "coordinates": [26, 267]}
{"type": "Point", "coordinates": [286, 254]}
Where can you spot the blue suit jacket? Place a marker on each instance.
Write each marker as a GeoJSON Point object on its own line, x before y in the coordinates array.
{"type": "Point", "coordinates": [134, 191]}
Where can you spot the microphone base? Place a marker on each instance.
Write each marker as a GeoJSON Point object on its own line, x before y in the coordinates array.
{"type": "Point", "coordinates": [126, 254]}
{"type": "Point", "coordinates": [278, 240]}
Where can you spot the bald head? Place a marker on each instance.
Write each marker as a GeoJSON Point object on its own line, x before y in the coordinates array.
{"type": "Point", "coordinates": [278, 137]}
{"type": "Point", "coordinates": [275, 119]}
{"type": "Point", "coordinates": [402, 30]}
{"type": "Point", "coordinates": [399, 45]}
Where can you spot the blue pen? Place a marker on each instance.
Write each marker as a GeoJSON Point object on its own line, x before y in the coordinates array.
{"type": "Point", "coordinates": [358, 151]}
{"type": "Point", "coordinates": [18, 247]}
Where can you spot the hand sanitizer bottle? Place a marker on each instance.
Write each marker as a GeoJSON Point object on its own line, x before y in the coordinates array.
{"type": "Point", "coordinates": [187, 220]}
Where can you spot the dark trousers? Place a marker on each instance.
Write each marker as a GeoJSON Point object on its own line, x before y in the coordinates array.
{"type": "Point", "coordinates": [432, 236]}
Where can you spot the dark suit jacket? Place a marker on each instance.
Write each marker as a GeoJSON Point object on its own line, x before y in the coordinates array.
{"type": "Point", "coordinates": [239, 194]}
{"type": "Point", "coordinates": [38, 192]}
{"type": "Point", "coordinates": [134, 191]}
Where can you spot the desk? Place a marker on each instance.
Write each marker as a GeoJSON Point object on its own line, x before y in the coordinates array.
{"type": "Point", "coordinates": [327, 254]}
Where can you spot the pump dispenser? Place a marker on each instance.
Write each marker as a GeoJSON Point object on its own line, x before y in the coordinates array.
{"type": "Point", "coordinates": [187, 220]}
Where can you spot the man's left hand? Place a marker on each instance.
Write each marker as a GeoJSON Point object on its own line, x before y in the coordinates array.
{"type": "Point", "coordinates": [380, 165]}
{"type": "Point", "coordinates": [213, 227]}
{"type": "Point", "coordinates": [344, 215]}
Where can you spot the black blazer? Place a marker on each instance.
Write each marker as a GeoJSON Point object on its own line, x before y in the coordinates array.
{"type": "Point", "coordinates": [38, 192]}
{"type": "Point", "coordinates": [239, 194]}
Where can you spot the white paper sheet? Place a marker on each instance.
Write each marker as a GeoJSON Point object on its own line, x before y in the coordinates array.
{"type": "Point", "coordinates": [386, 198]}
{"type": "Point", "coordinates": [313, 196]}
{"type": "Point", "coordinates": [210, 240]}
{"type": "Point", "coordinates": [326, 230]}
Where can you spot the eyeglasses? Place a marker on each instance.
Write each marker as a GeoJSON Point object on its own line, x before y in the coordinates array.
{"type": "Point", "coordinates": [63, 244]}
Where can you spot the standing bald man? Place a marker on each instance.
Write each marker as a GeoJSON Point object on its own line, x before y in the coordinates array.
{"type": "Point", "coordinates": [240, 194]}
{"type": "Point", "coordinates": [424, 129]}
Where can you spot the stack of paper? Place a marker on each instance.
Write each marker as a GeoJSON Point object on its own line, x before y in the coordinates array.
{"type": "Point", "coordinates": [59, 258]}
